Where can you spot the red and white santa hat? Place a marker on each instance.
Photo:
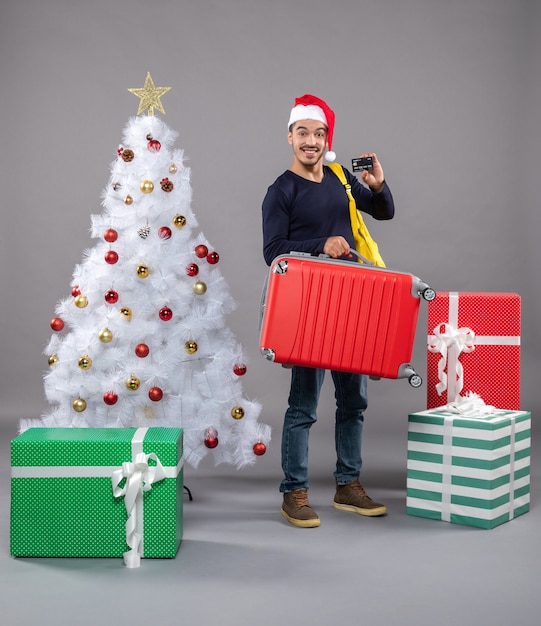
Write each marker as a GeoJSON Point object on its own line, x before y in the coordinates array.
{"type": "Point", "coordinates": [310, 107]}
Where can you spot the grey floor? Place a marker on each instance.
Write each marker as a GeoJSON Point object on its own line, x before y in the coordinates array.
{"type": "Point", "coordinates": [240, 563]}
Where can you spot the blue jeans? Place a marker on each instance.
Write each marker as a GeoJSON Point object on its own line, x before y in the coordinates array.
{"type": "Point", "coordinates": [351, 401]}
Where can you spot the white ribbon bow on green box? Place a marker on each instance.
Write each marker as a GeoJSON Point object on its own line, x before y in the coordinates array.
{"type": "Point", "coordinates": [139, 476]}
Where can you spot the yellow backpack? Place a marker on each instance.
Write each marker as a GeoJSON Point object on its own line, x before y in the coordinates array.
{"type": "Point", "coordinates": [364, 243]}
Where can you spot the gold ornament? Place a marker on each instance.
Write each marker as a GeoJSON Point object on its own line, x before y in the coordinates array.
{"type": "Point", "coordinates": [149, 96]}
{"type": "Point", "coordinates": [179, 221]}
{"type": "Point", "coordinates": [81, 301]}
{"type": "Point", "coordinates": [190, 347]}
{"type": "Point", "coordinates": [126, 313]}
{"type": "Point", "coordinates": [105, 335]}
{"type": "Point", "coordinates": [133, 383]}
{"type": "Point", "coordinates": [128, 199]}
{"type": "Point", "coordinates": [53, 359]}
{"type": "Point", "coordinates": [79, 405]}
{"type": "Point", "coordinates": [85, 362]}
{"type": "Point", "coordinates": [199, 287]}
{"type": "Point", "coordinates": [237, 412]}
{"type": "Point", "coordinates": [147, 186]}
{"type": "Point", "coordinates": [173, 169]}
{"type": "Point", "coordinates": [142, 271]}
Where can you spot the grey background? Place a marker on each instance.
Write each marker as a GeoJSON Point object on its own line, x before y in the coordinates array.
{"type": "Point", "coordinates": [448, 95]}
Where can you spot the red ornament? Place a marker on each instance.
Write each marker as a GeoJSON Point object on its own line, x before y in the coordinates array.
{"type": "Point", "coordinates": [259, 448]}
{"type": "Point", "coordinates": [142, 350]}
{"type": "Point", "coordinates": [164, 232]}
{"type": "Point", "coordinates": [75, 291]}
{"type": "Point", "coordinates": [111, 296]}
{"type": "Point", "coordinates": [165, 314]}
{"type": "Point", "coordinates": [211, 437]}
{"type": "Point", "coordinates": [154, 145]}
{"type": "Point", "coordinates": [192, 269]}
{"type": "Point", "coordinates": [57, 324]}
{"type": "Point", "coordinates": [110, 235]}
{"type": "Point", "coordinates": [201, 251]}
{"type": "Point", "coordinates": [110, 398]}
{"type": "Point", "coordinates": [213, 258]}
{"type": "Point", "coordinates": [155, 394]}
{"type": "Point", "coordinates": [111, 257]}
{"type": "Point", "coordinates": [240, 369]}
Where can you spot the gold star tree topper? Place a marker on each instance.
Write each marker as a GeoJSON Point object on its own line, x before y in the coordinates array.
{"type": "Point", "coordinates": [150, 96]}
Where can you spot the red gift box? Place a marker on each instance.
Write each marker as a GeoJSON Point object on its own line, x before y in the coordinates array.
{"type": "Point", "coordinates": [474, 346]}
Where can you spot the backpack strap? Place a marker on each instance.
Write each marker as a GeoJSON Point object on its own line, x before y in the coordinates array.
{"type": "Point", "coordinates": [364, 243]}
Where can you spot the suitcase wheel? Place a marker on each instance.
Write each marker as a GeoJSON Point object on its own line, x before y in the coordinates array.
{"type": "Point", "coordinates": [268, 353]}
{"type": "Point", "coordinates": [428, 294]}
{"type": "Point", "coordinates": [415, 381]}
{"type": "Point", "coordinates": [281, 267]}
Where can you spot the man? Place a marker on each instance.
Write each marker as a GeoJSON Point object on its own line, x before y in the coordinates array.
{"type": "Point", "coordinates": [307, 210]}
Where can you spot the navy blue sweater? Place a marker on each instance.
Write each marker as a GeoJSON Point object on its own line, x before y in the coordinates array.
{"type": "Point", "coordinates": [300, 215]}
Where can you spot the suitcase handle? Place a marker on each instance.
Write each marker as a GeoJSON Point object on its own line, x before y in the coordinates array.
{"type": "Point", "coordinates": [363, 258]}
{"type": "Point", "coordinates": [357, 254]}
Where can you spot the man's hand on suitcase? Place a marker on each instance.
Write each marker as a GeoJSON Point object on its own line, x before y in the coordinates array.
{"type": "Point", "coordinates": [336, 247]}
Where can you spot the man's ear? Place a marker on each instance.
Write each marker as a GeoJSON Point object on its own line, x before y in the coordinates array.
{"type": "Point", "coordinates": [289, 137]}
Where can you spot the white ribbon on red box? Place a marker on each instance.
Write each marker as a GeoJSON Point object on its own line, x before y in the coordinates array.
{"type": "Point", "coordinates": [451, 341]}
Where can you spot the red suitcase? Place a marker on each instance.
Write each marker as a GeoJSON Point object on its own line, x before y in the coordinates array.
{"type": "Point", "coordinates": [340, 315]}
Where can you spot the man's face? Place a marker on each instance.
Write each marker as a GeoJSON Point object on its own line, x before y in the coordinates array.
{"type": "Point", "coordinates": [309, 140]}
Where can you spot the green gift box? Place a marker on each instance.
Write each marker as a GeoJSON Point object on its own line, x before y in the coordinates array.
{"type": "Point", "coordinates": [468, 470]}
{"type": "Point", "coordinates": [97, 492]}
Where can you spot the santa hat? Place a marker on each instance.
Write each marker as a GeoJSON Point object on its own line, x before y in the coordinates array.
{"type": "Point", "coordinates": [310, 107]}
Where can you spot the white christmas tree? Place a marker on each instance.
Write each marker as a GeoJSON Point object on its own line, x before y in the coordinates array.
{"type": "Point", "coordinates": [142, 340]}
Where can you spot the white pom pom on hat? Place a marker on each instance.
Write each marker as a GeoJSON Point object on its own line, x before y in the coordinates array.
{"type": "Point", "coordinates": [330, 156]}
{"type": "Point", "coordinates": [309, 107]}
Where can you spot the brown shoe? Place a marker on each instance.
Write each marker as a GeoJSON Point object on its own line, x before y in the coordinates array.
{"type": "Point", "coordinates": [353, 497]}
{"type": "Point", "coordinates": [297, 510]}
